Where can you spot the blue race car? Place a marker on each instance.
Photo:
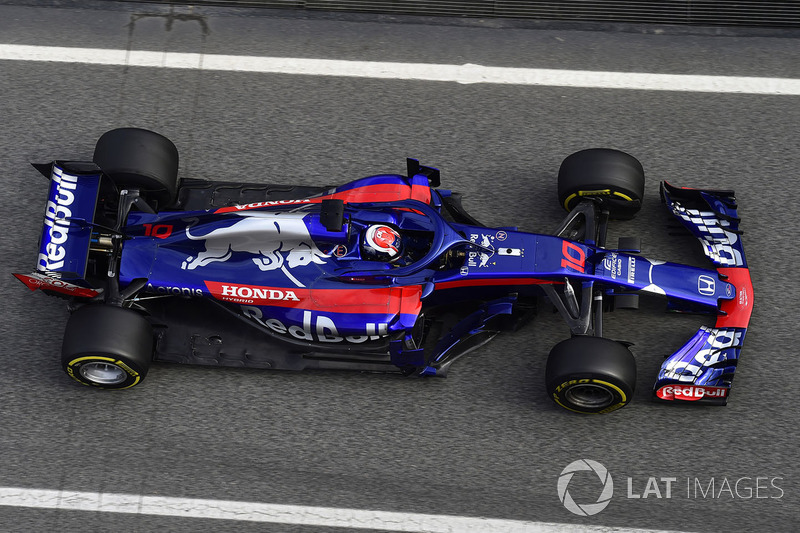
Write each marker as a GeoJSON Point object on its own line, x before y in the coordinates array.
{"type": "Point", "coordinates": [385, 273]}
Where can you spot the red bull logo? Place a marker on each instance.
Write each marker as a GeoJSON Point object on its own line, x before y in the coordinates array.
{"type": "Point", "coordinates": [317, 328]}
{"type": "Point", "coordinates": [690, 392]}
{"type": "Point", "coordinates": [56, 218]}
{"type": "Point", "coordinates": [275, 240]}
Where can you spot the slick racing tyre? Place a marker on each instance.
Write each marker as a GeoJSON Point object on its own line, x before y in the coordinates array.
{"type": "Point", "coordinates": [140, 159]}
{"type": "Point", "coordinates": [590, 374]}
{"type": "Point", "coordinates": [107, 347]}
{"type": "Point", "coordinates": [613, 178]}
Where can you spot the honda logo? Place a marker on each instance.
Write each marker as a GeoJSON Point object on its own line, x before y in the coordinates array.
{"type": "Point", "coordinates": [705, 285]}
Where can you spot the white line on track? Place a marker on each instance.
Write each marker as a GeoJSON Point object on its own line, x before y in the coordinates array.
{"type": "Point", "coordinates": [406, 71]}
{"type": "Point", "coordinates": [280, 514]}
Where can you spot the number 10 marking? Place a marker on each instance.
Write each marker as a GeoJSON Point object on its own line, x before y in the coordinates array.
{"type": "Point", "coordinates": [574, 257]}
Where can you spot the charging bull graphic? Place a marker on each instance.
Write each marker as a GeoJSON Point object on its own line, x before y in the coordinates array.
{"type": "Point", "coordinates": [267, 236]}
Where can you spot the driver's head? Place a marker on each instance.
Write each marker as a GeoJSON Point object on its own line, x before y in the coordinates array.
{"type": "Point", "coordinates": [382, 243]}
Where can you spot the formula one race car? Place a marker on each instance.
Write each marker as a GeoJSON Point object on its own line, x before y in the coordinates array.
{"type": "Point", "coordinates": [382, 273]}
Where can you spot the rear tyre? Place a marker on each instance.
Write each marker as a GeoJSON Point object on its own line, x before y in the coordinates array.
{"type": "Point", "coordinates": [107, 347]}
{"type": "Point", "coordinates": [140, 159]}
{"type": "Point", "coordinates": [590, 374]}
{"type": "Point", "coordinates": [613, 178]}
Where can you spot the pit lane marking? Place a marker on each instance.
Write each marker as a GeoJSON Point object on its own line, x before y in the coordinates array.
{"type": "Point", "coordinates": [328, 517]}
{"type": "Point", "coordinates": [468, 73]}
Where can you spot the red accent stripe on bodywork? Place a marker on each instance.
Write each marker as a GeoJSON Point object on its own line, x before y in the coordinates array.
{"type": "Point", "coordinates": [372, 300]}
{"type": "Point", "coordinates": [421, 193]}
{"type": "Point", "coordinates": [737, 310]}
{"type": "Point", "coordinates": [493, 281]}
{"type": "Point", "coordinates": [382, 192]}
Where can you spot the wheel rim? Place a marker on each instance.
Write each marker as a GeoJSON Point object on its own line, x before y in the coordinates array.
{"type": "Point", "coordinates": [589, 396]}
{"type": "Point", "coordinates": [103, 373]}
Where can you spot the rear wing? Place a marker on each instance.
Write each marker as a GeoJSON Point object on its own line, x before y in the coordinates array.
{"type": "Point", "coordinates": [702, 370]}
{"type": "Point", "coordinates": [66, 229]}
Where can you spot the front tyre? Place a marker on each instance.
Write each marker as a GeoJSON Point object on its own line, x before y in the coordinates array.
{"type": "Point", "coordinates": [590, 375]}
{"type": "Point", "coordinates": [107, 347]}
{"type": "Point", "coordinates": [612, 178]}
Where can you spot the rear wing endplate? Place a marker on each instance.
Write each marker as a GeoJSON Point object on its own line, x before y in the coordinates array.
{"type": "Point", "coordinates": [66, 228]}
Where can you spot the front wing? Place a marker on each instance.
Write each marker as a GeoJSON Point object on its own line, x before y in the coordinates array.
{"type": "Point", "coordinates": [702, 370]}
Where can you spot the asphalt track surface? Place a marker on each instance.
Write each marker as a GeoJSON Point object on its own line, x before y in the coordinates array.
{"type": "Point", "coordinates": [486, 441]}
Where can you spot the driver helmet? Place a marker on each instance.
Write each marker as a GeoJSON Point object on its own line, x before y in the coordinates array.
{"type": "Point", "coordinates": [382, 242]}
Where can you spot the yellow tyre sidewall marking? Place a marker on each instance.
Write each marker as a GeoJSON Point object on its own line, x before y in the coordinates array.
{"type": "Point", "coordinates": [117, 362]}
{"type": "Point", "coordinates": [603, 192]}
{"type": "Point", "coordinates": [608, 409]}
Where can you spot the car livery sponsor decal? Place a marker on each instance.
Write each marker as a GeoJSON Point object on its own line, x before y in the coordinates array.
{"type": "Point", "coordinates": [613, 265]}
{"type": "Point", "coordinates": [369, 300]}
{"type": "Point", "coordinates": [706, 285]}
{"type": "Point", "coordinates": [631, 270]}
{"type": "Point", "coordinates": [316, 327]}
{"type": "Point", "coordinates": [176, 291]}
{"type": "Point", "coordinates": [709, 348]}
{"type": "Point", "coordinates": [278, 241]}
{"type": "Point", "coordinates": [691, 392]}
{"type": "Point", "coordinates": [721, 246]}
{"type": "Point", "coordinates": [480, 258]}
{"type": "Point", "coordinates": [254, 295]}
{"type": "Point", "coordinates": [56, 218]}
{"type": "Point", "coordinates": [63, 244]}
